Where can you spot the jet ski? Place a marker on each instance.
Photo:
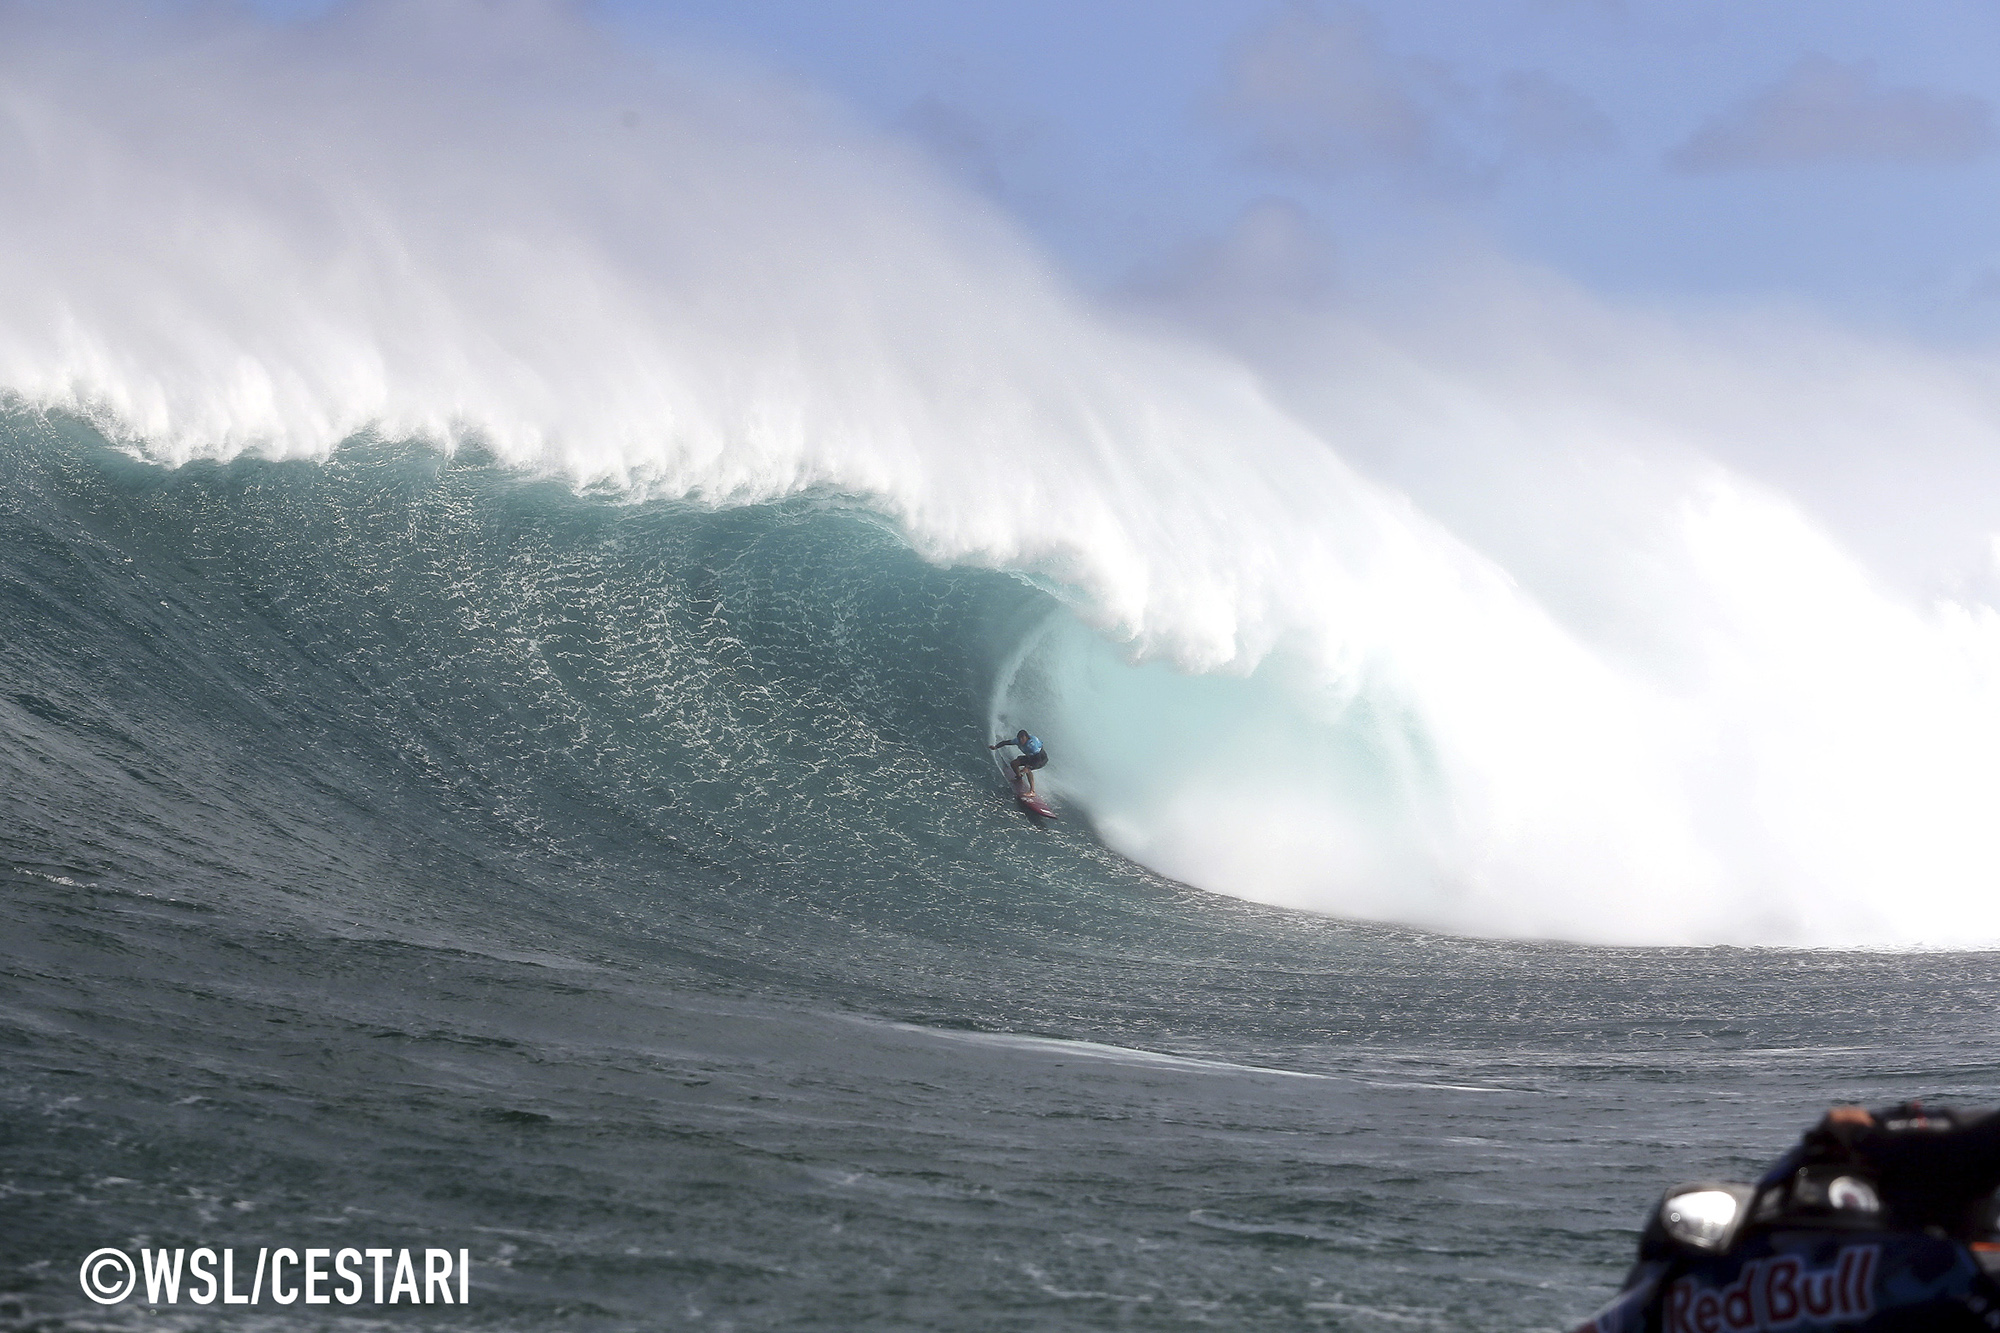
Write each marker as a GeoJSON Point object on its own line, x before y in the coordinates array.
{"type": "Point", "coordinates": [1832, 1238]}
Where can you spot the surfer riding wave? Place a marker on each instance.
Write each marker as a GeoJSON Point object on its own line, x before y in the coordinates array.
{"type": "Point", "coordinates": [1024, 764]}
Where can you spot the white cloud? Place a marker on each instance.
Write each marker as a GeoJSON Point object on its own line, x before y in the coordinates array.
{"type": "Point", "coordinates": [1272, 257]}
{"type": "Point", "coordinates": [1825, 111]}
{"type": "Point", "coordinates": [1321, 95]}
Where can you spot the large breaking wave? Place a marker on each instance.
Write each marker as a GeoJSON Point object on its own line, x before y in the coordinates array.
{"type": "Point", "coordinates": [1385, 627]}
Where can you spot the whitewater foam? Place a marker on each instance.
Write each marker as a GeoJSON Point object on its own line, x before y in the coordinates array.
{"type": "Point", "coordinates": [1275, 677]}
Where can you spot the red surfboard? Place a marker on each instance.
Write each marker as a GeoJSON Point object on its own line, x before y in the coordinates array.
{"type": "Point", "coordinates": [1032, 803]}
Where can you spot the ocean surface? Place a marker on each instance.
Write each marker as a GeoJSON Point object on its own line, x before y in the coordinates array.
{"type": "Point", "coordinates": [401, 850]}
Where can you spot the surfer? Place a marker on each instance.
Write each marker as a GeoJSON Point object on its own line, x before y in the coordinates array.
{"type": "Point", "coordinates": [1032, 756]}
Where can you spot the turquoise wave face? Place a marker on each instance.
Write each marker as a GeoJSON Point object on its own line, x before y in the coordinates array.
{"type": "Point", "coordinates": [399, 682]}
{"type": "Point", "coordinates": [759, 711]}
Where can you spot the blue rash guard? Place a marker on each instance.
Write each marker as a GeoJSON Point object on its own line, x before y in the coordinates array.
{"type": "Point", "coordinates": [1031, 750]}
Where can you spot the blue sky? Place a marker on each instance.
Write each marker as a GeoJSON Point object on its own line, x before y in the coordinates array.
{"type": "Point", "coordinates": [1840, 155]}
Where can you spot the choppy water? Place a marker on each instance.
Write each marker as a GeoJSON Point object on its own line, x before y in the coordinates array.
{"type": "Point", "coordinates": [400, 852]}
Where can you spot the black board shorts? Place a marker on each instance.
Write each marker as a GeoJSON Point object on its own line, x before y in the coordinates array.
{"type": "Point", "coordinates": [1032, 760]}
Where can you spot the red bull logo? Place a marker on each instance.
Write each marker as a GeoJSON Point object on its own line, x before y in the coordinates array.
{"type": "Point", "coordinates": [1778, 1293]}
